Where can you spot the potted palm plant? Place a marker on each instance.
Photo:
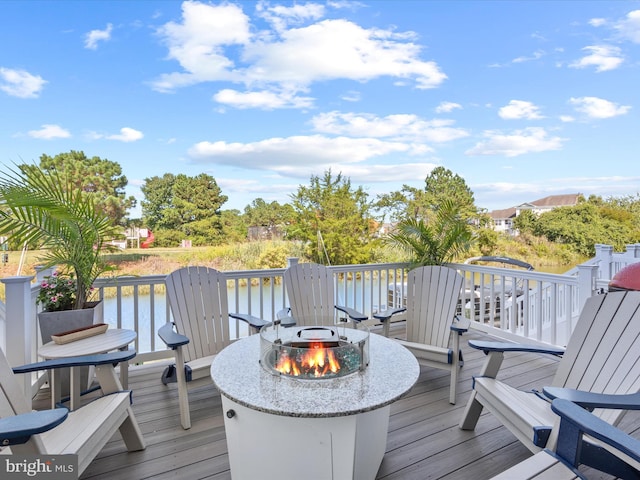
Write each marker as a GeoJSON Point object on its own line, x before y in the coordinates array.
{"type": "Point", "coordinates": [443, 238]}
{"type": "Point", "coordinates": [46, 210]}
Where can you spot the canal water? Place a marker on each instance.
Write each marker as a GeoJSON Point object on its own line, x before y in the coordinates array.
{"type": "Point", "coordinates": [150, 319]}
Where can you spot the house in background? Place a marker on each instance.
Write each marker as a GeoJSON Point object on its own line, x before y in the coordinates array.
{"type": "Point", "coordinates": [503, 219]}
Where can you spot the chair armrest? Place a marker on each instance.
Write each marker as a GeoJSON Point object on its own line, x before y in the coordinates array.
{"type": "Point", "coordinates": [170, 337]}
{"type": "Point", "coordinates": [353, 314]}
{"type": "Point", "coordinates": [284, 315]}
{"type": "Point", "coordinates": [255, 322]}
{"type": "Point", "coordinates": [596, 428]}
{"type": "Point", "coordinates": [487, 347]}
{"type": "Point", "coordinates": [385, 315]}
{"type": "Point", "coordinates": [18, 429]}
{"type": "Point", "coordinates": [593, 400]}
{"type": "Point", "coordinates": [460, 324]}
{"type": "Point", "coordinates": [86, 360]}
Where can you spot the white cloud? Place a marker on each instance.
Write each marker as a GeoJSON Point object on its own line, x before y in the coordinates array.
{"type": "Point", "coordinates": [603, 57]}
{"type": "Point", "coordinates": [266, 100]}
{"type": "Point", "coordinates": [94, 36]}
{"type": "Point", "coordinates": [629, 28]}
{"type": "Point", "coordinates": [446, 107]}
{"type": "Point", "coordinates": [287, 58]}
{"type": "Point", "coordinates": [126, 135]}
{"type": "Point", "coordinates": [358, 174]}
{"type": "Point", "coordinates": [520, 142]}
{"type": "Point", "coordinates": [597, 22]}
{"type": "Point", "coordinates": [281, 17]}
{"type": "Point", "coordinates": [49, 132]}
{"type": "Point", "coordinates": [567, 118]}
{"type": "Point", "coordinates": [20, 83]}
{"type": "Point", "coordinates": [518, 109]}
{"type": "Point", "coordinates": [396, 172]}
{"type": "Point", "coordinates": [531, 190]}
{"type": "Point", "coordinates": [400, 127]}
{"type": "Point", "coordinates": [351, 96]}
{"type": "Point", "coordinates": [198, 44]}
{"type": "Point", "coordinates": [534, 56]}
{"type": "Point", "coordinates": [334, 49]}
{"type": "Point", "coordinates": [595, 107]}
{"type": "Point", "coordinates": [283, 154]}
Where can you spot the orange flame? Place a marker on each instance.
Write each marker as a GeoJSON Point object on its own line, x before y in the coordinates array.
{"type": "Point", "coordinates": [316, 361]}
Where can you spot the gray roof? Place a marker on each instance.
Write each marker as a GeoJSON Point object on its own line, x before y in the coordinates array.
{"type": "Point", "coordinates": [552, 201]}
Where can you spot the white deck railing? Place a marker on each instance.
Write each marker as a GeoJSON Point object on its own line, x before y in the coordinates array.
{"type": "Point", "coordinates": [544, 307]}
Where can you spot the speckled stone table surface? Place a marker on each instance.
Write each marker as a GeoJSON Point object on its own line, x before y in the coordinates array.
{"type": "Point", "coordinates": [391, 373]}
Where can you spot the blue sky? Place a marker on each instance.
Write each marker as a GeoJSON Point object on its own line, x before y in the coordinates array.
{"type": "Point", "coordinates": [522, 99]}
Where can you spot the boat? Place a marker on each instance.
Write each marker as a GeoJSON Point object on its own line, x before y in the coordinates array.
{"type": "Point", "coordinates": [496, 289]}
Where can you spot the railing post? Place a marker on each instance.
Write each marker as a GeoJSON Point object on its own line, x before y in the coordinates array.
{"type": "Point", "coordinates": [291, 261]}
{"type": "Point", "coordinates": [18, 327]}
{"type": "Point", "coordinates": [42, 272]}
{"type": "Point", "coordinates": [604, 255]}
{"type": "Point", "coordinates": [633, 250]}
{"type": "Point", "coordinates": [586, 282]}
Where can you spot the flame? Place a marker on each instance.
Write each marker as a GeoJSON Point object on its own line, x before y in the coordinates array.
{"type": "Point", "coordinates": [316, 361]}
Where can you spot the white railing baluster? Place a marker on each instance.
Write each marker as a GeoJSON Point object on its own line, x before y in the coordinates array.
{"type": "Point", "coordinates": [544, 308]}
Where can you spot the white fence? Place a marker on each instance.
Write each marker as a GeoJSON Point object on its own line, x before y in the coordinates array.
{"type": "Point", "coordinates": [509, 303]}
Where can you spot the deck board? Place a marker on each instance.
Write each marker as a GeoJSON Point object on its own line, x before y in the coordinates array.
{"type": "Point", "coordinates": [424, 441]}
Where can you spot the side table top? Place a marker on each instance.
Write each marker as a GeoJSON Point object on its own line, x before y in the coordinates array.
{"type": "Point", "coordinates": [112, 339]}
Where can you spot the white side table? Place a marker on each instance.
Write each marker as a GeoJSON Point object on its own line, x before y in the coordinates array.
{"type": "Point", "coordinates": [112, 339]}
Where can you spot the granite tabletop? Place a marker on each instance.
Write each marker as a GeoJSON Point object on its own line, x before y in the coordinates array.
{"type": "Point", "coordinates": [238, 375]}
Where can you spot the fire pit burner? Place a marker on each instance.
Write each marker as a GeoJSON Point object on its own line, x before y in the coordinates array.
{"type": "Point", "coordinates": [313, 352]}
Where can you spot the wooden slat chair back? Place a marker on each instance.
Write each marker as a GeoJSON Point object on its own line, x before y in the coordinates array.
{"type": "Point", "coordinates": [199, 305]}
{"type": "Point", "coordinates": [432, 296]}
{"type": "Point", "coordinates": [311, 293]}
{"type": "Point", "coordinates": [84, 432]}
{"type": "Point", "coordinates": [602, 356]}
{"type": "Point", "coordinates": [200, 309]}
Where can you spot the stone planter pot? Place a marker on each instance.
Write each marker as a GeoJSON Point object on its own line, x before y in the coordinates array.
{"type": "Point", "coordinates": [52, 323]}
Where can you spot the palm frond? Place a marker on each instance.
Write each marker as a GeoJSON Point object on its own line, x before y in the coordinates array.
{"type": "Point", "coordinates": [445, 237]}
{"type": "Point", "coordinates": [46, 210]}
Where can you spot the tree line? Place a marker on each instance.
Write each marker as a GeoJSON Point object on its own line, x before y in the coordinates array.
{"type": "Point", "coordinates": [340, 223]}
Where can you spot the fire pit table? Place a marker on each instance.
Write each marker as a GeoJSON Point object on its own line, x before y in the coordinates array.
{"type": "Point", "coordinates": [316, 423]}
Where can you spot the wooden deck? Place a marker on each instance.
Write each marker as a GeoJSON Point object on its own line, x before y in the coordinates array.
{"type": "Point", "coordinates": [424, 441]}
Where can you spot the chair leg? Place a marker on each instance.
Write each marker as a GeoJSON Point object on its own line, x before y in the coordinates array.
{"type": "Point", "coordinates": [183, 392]}
{"type": "Point", "coordinates": [131, 434]}
{"type": "Point", "coordinates": [471, 413]}
{"type": "Point", "coordinates": [454, 384]}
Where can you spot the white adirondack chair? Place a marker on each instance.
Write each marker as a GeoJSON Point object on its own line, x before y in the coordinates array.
{"type": "Point", "coordinates": [200, 328]}
{"type": "Point", "coordinates": [433, 330]}
{"type": "Point", "coordinates": [82, 432]}
{"type": "Point", "coordinates": [583, 439]}
{"type": "Point", "coordinates": [311, 293]}
{"type": "Point", "coordinates": [602, 356]}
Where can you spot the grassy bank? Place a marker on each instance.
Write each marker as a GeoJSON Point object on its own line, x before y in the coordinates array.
{"type": "Point", "coordinates": [544, 256]}
{"type": "Point", "coordinates": [157, 261]}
